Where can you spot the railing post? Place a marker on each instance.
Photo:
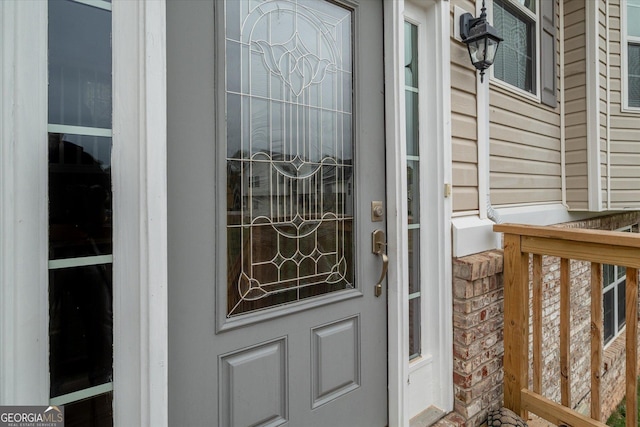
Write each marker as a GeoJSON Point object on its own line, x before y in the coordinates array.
{"type": "Point", "coordinates": [631, 307]}
{"type": "Point", "coordinates": [516, 323]}
{"type": "Point", "coordinates": [596, 340]}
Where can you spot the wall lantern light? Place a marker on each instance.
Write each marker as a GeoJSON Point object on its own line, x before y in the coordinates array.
{"type": "Point", "coordinates": [481, 39]}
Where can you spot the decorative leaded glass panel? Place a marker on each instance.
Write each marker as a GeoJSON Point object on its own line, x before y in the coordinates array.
{"type": "Point", "coordinates": [289, 151]}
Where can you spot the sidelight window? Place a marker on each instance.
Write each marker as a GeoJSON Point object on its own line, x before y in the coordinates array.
{"type": "Point", "coordinates": [80, 226]}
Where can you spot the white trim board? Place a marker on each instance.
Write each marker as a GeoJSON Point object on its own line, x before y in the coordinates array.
{"type": "Point", "coordinates": [474, 235]}
{"type": "Point", "coordinates": [140, 357]}
{"type": "Point", "coordinates": [24, 303]}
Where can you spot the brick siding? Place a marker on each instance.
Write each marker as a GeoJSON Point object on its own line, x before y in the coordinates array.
{"type": "Point", "coordinates": [478, 323]}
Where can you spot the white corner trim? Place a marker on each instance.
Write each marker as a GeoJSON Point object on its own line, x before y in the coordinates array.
{"type": "Point", "coordinates": [24, 297]}
{"type": "Point", "coordinates": [593, 106]}
{"type": "Point", "coordinates": [140, 214]}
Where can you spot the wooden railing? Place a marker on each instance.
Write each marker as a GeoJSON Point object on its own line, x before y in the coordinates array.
{"type": "Point", "coordinates": [597, 247]}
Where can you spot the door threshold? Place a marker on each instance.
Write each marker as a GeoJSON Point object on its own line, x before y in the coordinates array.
{"type": "Point", "coordinates": [428, 417]}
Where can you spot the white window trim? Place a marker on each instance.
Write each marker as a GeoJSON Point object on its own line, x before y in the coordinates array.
{"type": "Point", "coordinates": [533, 96]}
{"type": "Point", "coordinates": [398, 326]}
{"type": "Point", "coordinates": [617, 330]}
{"type": "Point", "coordinates": [624, 54]}
{"type": "Point", "coordinates": [24, 277]}
{"type": "Point", "coordinates": [140, 213]}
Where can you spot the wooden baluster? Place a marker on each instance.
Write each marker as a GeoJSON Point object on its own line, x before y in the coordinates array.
{"type": "Point", "coordinates": [631, 307]}
{"type": "Point", "coordinates": [516, 323]}
{"type": "Point", "coordinates": [537, 323]}
{"type": "Point", "coordinates": [565, 332]}
{"type": "Point", "coordinates": [596, 340]}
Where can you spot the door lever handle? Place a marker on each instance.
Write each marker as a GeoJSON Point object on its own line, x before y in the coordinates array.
{"type": "Point", "coordinates": [377, 247]}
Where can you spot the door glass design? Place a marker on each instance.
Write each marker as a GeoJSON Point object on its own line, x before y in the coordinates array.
{"type": "Point", "coordinates": [289, 152]}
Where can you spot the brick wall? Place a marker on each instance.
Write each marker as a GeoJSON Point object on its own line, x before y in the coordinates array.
{"type": "Point", "coordinates": [478, 332]}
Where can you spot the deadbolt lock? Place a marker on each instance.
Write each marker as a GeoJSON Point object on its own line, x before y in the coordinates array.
{"type": "Point", "coordinates": [377, 211]}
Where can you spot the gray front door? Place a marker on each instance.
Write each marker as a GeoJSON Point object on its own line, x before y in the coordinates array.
{"type": "Point", "coordinates": [275, 155]}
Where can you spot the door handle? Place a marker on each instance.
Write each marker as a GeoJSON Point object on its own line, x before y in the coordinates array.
{"type": "Point", "coordinates": [378, 242]}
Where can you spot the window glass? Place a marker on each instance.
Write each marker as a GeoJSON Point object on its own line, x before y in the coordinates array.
{"type": "Point", "coordinates": [514, 62]}
{"type": "Point", "coordinates": [79, 65]}
{"type": "Point", "coordinates": [633, 18]}
{"type": "Point", "coordinates": [633, 61]}
{"type": "Point", "coordinates": [80, 226]}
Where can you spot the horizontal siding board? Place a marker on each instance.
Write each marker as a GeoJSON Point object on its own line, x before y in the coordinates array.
{"type": "Point", "coordinates": [576, 157]}
{"type": "Point", "coordinates": [463, 127]}
{"type": "Point", "coordinates": [629, 147]}
{"type": "Point", "coordinates": [521, 196]}
{"type": "Point", "coordinates": [507, 133]}
{"type": "Point", "coordinates": [527, 110]}
{"type": "Point", "coordinates": [626, 184]}
{"type": "Point", "coordinates": [624, 160]}
{"type": "Point", "coordinates": [577, 182]}
{"type": "Point", "coordinates": [516, 120]}
{"type": "Point", "coordinates": [463, 102]}
{"type": "Point", "coordinates": [465, 199]}
{"type": "Point", "coordinates": [526, 167]}
{"type": "Point", "coordinates": [511, 181]}
{"type": "Point", "coordinates": [464, 150]}
{"type": "Point", "coordinates": [465, 175]}
{"type": "Point", "coordinates": [578, 169]}
{"type": "Point", "coordinates": [505, 149]}
{"type": "Point", "coordinates": [625, 171]}
{"type": "Point", "coordinates": [625, 134]}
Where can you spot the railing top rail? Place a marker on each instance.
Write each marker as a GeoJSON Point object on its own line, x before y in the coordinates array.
{"type": "Point", "coordinates": [612, 238]}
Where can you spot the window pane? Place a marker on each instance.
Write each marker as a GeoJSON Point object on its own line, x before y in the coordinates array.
{"type": "Point", "coordinates": [633, 18]}
{"type": "Point", "coordinates": [413, 191]}
{"type": "Point", "coordinates": [529, 4]}
{"type": "Point", "coordinates": [79, 196]}
{"type": "Point", "coordinates": [514, 60]}
{"type": "Point", "coordinates": [414, 328]}
{"type": "Point", "coordinates": [414, 260]}
{"type": "Point", "coordinates": [622, 298]}
{"type": "Point", "coordinates": [95, 412]}
{"type": "Point", "coordinates": [609, 316]}
{"type": "Point", "coordinates": [410, 55]}
{"type": "Point", "coordinates": [79, 65]}
{"type": "Point", "coordinates": [634, 74]}
{"type": "Point", "coordinates": [412, 121]}
{"type": "Point", "coordinates": [80, 328]}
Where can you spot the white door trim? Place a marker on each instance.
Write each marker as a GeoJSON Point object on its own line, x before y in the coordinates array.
{"type": "Point", "coordinates": [24, 292]}
{"type": "Point", "coordinates": [140, 213]}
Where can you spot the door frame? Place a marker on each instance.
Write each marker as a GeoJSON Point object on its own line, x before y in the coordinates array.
{"type": "Point", "coordinates": [439, 326]}
{"type": "Point", "coordinates": [140, 226]}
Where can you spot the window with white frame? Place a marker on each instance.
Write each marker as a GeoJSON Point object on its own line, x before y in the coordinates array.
{"type": "Point", "coordinates": [633, 53]}
{"type": "Point", "coordinates": [515, 62]}
{"type": "Point", "coordinates": [614, 296]}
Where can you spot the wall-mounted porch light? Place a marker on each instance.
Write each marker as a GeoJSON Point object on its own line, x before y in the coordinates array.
{"type": "Point", "coordinates": [481, 39]}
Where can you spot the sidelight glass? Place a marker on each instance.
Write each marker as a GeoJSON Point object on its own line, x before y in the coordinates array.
{"type": "Point", "coordinates": [289, 152]}
{"type": "Point", "coordinates": [80, 211]}
{"type": "Point", "coordinates": [412, 119]}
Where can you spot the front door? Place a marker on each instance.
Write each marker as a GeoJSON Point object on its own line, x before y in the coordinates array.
{"type": "Point", "coordinates": [275, 155]}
